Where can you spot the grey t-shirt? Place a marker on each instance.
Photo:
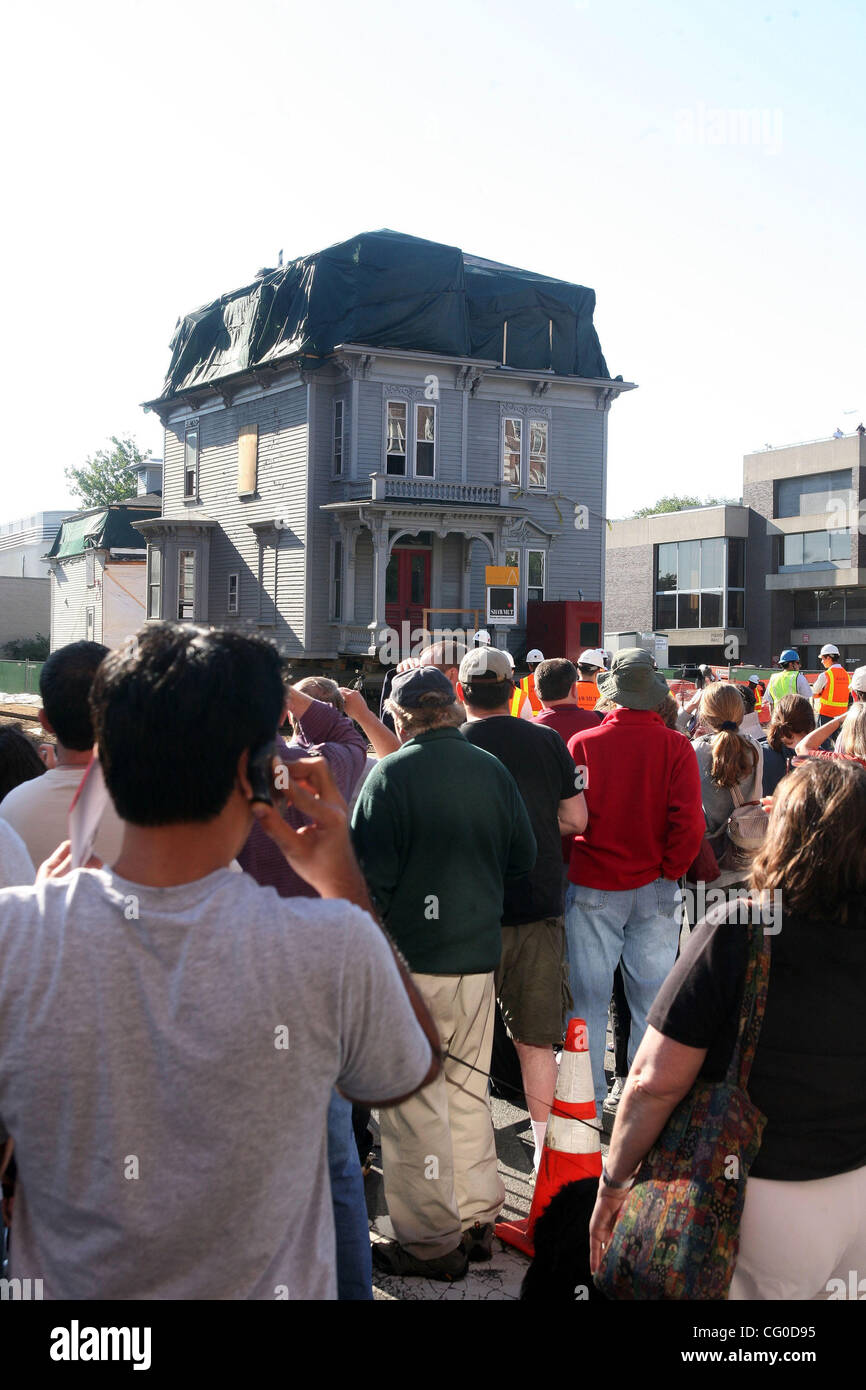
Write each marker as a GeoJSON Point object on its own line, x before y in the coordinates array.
{"type": "Point", "coordinates": [167, 1056]}
{"type": "Point", "coordinates": [16, 866]}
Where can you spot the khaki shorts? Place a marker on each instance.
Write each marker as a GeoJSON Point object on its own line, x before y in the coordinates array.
{"type": "Point", "coordinates": [532, 982]}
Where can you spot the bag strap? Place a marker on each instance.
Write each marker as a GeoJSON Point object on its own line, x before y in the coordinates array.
{"type": "Point", "coordinates": [753, 1004]}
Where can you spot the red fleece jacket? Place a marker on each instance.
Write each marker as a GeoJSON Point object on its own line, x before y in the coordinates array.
{"type": "Point", "coordinates": [643, 797]}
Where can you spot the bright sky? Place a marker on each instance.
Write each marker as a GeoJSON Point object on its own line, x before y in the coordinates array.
{"type": "Point", "coordinates": [157, 152]}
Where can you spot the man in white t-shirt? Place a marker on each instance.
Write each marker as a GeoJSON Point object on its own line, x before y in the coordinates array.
{"type": "Point", "coordinates": [170, 1031]}
{"type": "Point", "coordinates": [39, 809]}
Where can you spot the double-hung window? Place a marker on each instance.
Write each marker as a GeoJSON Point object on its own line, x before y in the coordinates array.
{"type": "Point", "coordinates": [186, 586]}
{"type": "Point", "coordinates": [535, 568]}
{"type": "Point", "coordinates": [190, 460]}
{"type": "Point", "coordinates": [411, 439]}
{"type": "Point", "coordinates": [337, 449]}
{"type": "Point", "coordinates": [234, 583]}
{"type": "Point", "coordinates": [154, 582]}
{"type": "Point", "coordinates": [525, 452]}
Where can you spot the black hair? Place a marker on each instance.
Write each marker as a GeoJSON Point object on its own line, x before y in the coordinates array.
{"type": "Point", "coordinates": [173, 712]}
{"type": "Point", "coordinates": [554, 678]}
{"type": "Point", "coordinates": [64, 684]}
{"type": "Point", "coordinates": [486, 693]}
{"type": "Point", "coordinates": [19, 760]}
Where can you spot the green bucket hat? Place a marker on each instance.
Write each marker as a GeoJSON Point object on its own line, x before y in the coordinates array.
{"type": "Point", "coordinates": [633, 681]}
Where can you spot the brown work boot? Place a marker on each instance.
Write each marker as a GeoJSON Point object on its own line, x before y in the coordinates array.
{"type": "Point", "coordinates": [389, 1257]}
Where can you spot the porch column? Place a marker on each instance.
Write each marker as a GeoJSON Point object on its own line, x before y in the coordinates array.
{"type": "Point", "coordinates": [379, 531]}
{"type": "Point", "coordinates": [465, 577]}
{"type": "Point", "coordinates": [350, 537]}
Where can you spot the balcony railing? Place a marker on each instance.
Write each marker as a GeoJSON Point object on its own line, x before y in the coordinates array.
{"type": "Point", "coordinates": [391, 488]}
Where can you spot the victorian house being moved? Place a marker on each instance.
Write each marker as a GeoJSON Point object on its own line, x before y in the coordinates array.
{"type": "Point", "coordinates": [353, 438]}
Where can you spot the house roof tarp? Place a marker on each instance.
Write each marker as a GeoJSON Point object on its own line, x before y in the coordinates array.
{"type": "Point", "coordinates": [111, 529]}
{"type": "Point", "coordinates": [387, 290]}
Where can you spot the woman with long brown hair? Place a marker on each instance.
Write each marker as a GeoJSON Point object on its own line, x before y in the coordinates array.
{"type": "Point", "coordinates": [792, 717]}
{"type": "Point", "coordinates": [727, 761]}
{"type": "Point", "coordinates": [802, 1228]}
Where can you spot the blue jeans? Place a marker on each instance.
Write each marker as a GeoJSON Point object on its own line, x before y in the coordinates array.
{"type": "Point", "coordinates": [638, 929]}
{"type": "Point", "coordinates": [354, 1262]}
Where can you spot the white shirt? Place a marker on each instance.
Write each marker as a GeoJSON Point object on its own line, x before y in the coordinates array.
{"type": "Point", "coordinates": [39, 811]}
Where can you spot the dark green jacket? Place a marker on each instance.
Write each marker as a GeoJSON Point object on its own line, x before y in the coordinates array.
{"type": "Point", "coordinates": [438, 827]}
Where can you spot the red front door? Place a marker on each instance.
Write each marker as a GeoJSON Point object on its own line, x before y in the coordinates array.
{"type": "Point", "coordinates": [407, 587]}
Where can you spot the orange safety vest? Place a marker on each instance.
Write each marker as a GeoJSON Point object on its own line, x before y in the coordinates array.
{"type": "Point", "coordinates": [516, 702]}
{"type": "Point", "coordinates": [758, 701]}
{"type": "Point", "coordinates": [527, 685]}
{"type": "Point", "coordinates": [588, 694]}
{"type": "Point", "coordinates": [833, 699]}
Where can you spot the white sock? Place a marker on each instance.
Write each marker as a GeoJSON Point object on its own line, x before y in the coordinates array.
{"type": "Point", "coordinates": [539, 1129]}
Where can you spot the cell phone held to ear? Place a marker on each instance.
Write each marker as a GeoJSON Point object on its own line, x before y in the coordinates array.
{"type": "Point", "coordinates": [260, 771]}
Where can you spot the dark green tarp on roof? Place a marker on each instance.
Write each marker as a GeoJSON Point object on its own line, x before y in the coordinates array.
{"type": "Point", "coordinates": [384, 289]}
{"type": "Point", "coordinates": [111, 529]}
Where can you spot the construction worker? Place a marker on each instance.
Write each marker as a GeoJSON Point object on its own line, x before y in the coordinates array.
{"type": "Point", "coordinates": [788, 680]}
{"type": "Point", "coordinates": [518, 705]}
{"type": "Point", "coordinates": [527, 685]}
{"type": "Point", "coordinates": [758, 691]}
{"type": "Point", "coordinates": [589, 664]}
{"type": "Point", "coordinates": [831, 690]}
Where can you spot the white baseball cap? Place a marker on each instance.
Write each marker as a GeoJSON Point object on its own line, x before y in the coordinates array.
{"type": "Point", "coordinates": [858, 680]}
{"type": "Point", "coordinates": [592, 657]}
{"type": "Point", "coordinates": [534, 655]}
{"type": "Point", "coordinates": [829, 650]}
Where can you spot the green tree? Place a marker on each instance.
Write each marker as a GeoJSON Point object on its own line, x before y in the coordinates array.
{"type": "Point", "coordinates": [107, 475]}
{"type": "Point", "coordinates": [681, 504]}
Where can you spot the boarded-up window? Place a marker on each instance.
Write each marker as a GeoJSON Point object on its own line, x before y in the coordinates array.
{"type": "Point", "coordinates": [90, 568]}
{"type": "Point", "coordinates": [248, 456]}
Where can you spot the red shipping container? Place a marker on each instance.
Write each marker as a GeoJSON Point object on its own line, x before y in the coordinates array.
{"type": "Point", "coordinates": [564, 627]}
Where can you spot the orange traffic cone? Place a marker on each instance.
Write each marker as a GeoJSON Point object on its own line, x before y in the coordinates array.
{"type": "Point", "coordinates": [572, 1150]}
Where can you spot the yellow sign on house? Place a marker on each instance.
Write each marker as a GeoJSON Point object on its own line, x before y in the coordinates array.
{"type": "Point", "coordinates": [506, 575]}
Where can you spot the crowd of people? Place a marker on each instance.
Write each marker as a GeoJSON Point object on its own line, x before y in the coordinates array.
{"type": "Point", "coordinates": [294, 911]}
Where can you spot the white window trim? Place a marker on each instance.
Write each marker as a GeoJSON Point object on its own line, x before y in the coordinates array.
{"type": "Point", "coordinates": [181, 551]}
{"type": "Point", "coordinates": [539, 550]}
{"type": "Point", "coordinates": [430, 405]}
{"type": "Point", "coordinates": [192, 427]}
{"type": "Point", "coordinates": [526, 423]}
{"type": "Point", "coordinates": [412, 438]}
{"type": "Point", "coordinates": [530, 421]}
{"type": "Point", "coordinates": [235, 574]}
{"type": "Point", "coordinates": [505, 419]}
{"type": "Point", "coordinates": [152, 584]}
{"type": "Point", "coordinates": [90, 569]}
{"type": "Point", "coordinates": [342, 404]}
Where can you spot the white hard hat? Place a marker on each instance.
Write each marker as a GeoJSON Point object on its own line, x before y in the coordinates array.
{"type": "Point", "coordinates": [592, 657]}
{"type": "Point", "coordinates": [534, 655]}
{"type": "Point", "coordinates": [507, 653]}
{"type": "Point", "coordinates": [858, 680]}
{"type": "Point", "coordinates": [829, 650]}
{"type": "Point", "coordinates": [482, 637]}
